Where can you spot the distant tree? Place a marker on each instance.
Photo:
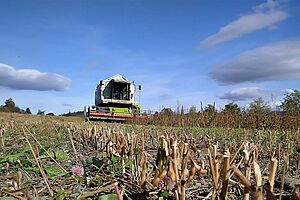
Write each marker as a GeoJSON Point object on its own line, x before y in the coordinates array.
{"type": "Point", "coordinates": [201, 107]}
{"type": "Point", "coordinates": [192, 110]}
{"type": "Point", "coordinates": [210, 109]}
{"type": "Point", "coordinates": [166, 111]}
{"type": "Point", "coordinates": [178, 107]}
{"type": "Point", "coordinates": [9, 103]}
{"type": "Point", "coordinates": [40, 112]}
{"type": "Point", "coordinates": [10, 106]}
{"type": "Point", "coordinates": [69, 114]}
{"type": "Point", "coordinates": [50, 114]}
{"type": "Point", "coordinates": [259, 106]}
{"type": "Point", "coordinates": [182, 111]}
{"type": "Point", "coordinates": [232, 108]}
{"type": "Point", "coordinates": [28, 111]}
{"type": "Point", "coordinates": [291, 103]}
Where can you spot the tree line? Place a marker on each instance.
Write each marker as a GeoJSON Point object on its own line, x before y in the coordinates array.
{"type": "Point", "coordinates": [11, 107]}
{"type": "Point", "coordinates": [290, 105]}
{"type": "Point", "coordinates": [258, 115]}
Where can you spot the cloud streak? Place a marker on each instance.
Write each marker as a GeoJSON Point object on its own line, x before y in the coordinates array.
{"type": "Point", "coordinates": [274, 62]}
{"type": "Point", "coordinates": [246, 93]}
{"type": "Point", "coordinates": [31, 79]}
{"type": "Point", "coordinates": [265, 15]}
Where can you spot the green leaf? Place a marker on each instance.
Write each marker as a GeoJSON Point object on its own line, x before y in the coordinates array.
{"type": "Point", "coordinates": [108, 197]}
{"type": "Point", "coordinates": [165, 194]}
{"type": "Point", "coordinates": [43, 150]}
{"type": "Point", "coordinates": [12, 158]}
{"type": "Point", "coordinates": [60, 195]}
{"type": "Point", "coordinates": [33, 169]}
{"type": "Point", "coordinates": [61, 155]}
{"type": "Point", "coordinates": [97, 162]}
{"type": "Point", "coordinates": [26, 163]}
{"type": "Point", "coordinates": [26, 150]}
{"type": "Point", "coordinates": [68, 175]}
{"type": "Point", "coordinates": [54, 171]}
{"type": "Point", "coordinates": [114, 159]}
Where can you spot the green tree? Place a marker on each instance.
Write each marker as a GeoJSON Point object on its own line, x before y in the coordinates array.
{"type": "Point", "coordinates": [291, 103]}
{"type": "Point", "coordinates": [28, 111]}
{"type": "Point", "coordinates": [259, 106]}
{"type": "Point", "coordinates": [10, 106]}
{"type": "Point", "coordinates": [166, 111]}
{"type": "Point", "coordinates": [9, 103]}
{"type": "Point", "coordinates": [192, 110]}
{"type": "Point", "coordinates": [40, 112]}
{"type": "Point", "coordinates": [210, 108]}
{"type": "Point", "coordinates": [232, 108]}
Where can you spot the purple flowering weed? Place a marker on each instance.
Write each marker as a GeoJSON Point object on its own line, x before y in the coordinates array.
{"type": "Point", "coordinates": [162, 184]}
{"type": "Point", "coordinates": [169, 183]}
{"type": "Point", "coordinates": [77, 170]}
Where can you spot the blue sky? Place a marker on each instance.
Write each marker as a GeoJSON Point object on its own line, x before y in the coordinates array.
{"type": "Point", "coordinates": [53, 53]}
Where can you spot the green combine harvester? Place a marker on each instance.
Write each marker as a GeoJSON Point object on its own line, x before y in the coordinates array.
{"type": "Point", "coordinates": [115, 100]}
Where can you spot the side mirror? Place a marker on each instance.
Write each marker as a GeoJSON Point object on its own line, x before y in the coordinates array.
{"type": "Point", "coordinates": [140, 87]}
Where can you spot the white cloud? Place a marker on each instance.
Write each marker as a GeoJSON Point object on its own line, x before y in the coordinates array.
{"type": "Point", "coordinates": [288, 91]}
{"type": "Point", "coordinates": [31, 79]}
{"type": "Point", "coordinates": [274, 62]}
{"type": "Point", "coordinates": [265, 15]}
{"type": "Point", "coordinates": [246, 93]}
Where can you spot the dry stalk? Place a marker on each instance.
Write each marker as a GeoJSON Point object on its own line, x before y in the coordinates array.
{"type": "Point", "coordinates": [159, 176]}
{"type": "Point", "coordinates": [2, 138]}
{"type": "Point", "coordinates": [136, 162]}
{"type": "Point", "coordinates": [195, 168]}
{"type": "Point", "coordinates": [283, 175]}
{"type": "Point", "coordinates": [184, 162]}
{"type": "Point", "coordinates": [180, 150]}
{"type": "Point", "coordinates": [216, 161]}
{"type": "Point", "coordinates": [61, 167]}
{"type": "Point", "coordinates": [236, 153]}
{"type": "Point", "coordinates": [258, 195]}
{"type": "Point", "coordinates": [257, 174]}
{"type": "Point", "coordinates": [131, 153]}
{"type": "Point", "coordinates": [171, 172]}
{"type": "Point", "coordinates": [143, 141]}
{"type": "Point", "coordinates": [270, 195]}
{"type": "Point", "coordinates": [243, 180]}
{"type": "Point", "coordinates": [226, 174]}
{"type": "Point", "coordinates": [166, 146]}
{"type": "Point", "coordinates": [175, 164]}
{"type": "Point", "coordinates": [14, 194]}
{"type": "Point", "coordinates": [296, 193]}
{"type": "Point", "coordinates": [273, 168]}
{"type": "Point", "coordinates": [144, 171]}
{"type": "Point", "coordinates": [184, 171]}
{"type": "Point", "coordinates": [40, 168]}
{"type": "Point", "coordinates": [213, 171]}
{"type": "Point", "coordinates": [102, 189]}
{"type": "Point", "coordinates": [73, 146]}
{"type": "Point", "coordinates": [247, 170]}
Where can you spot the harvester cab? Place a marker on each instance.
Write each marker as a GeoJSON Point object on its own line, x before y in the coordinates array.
{"type": "Point", "coordinates": [116, 99]}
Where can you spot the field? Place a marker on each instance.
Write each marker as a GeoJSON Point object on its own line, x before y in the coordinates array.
{"type": "Point", "coordinates": [45, 157]}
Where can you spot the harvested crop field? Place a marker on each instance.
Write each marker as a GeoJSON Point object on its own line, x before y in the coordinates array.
{"type": "Point", "coordinates": [44, 157]}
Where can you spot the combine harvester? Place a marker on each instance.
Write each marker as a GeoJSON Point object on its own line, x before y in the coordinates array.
{"type": "Point", "coordinates": [115, 100]}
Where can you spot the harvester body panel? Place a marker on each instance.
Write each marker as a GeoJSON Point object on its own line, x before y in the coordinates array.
{"type": "Point", "coordinates": [115, 99]}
